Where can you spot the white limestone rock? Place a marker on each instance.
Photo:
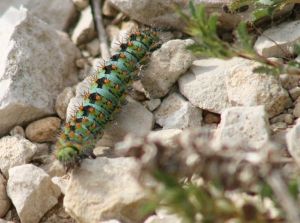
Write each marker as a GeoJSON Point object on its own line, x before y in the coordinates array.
{"type": "Point", "coordinates": [15, 151]}
{"type": "Point", "coordinates": [32, 192]}
{"type": "Point", "coordinates": [244, 125]}
{"type": "Point", "coordinates": [104, 189]}
{"type": "Point", "coordinates": [36, 63]}
{"type": "Point", "coordinates": [204, 84]}
{"type": "Point", "coordinates": [85, 29]}
{"type": "Point", "coordinates": [4, 200]}
{"type": "Point", "coordinates": [176, 112]}
{"type": "Point", "coordinates": [165, 67]}
{"type": "Point", "coordinates": [214, 85]}
{"type": "Point", "coordinates": [275, 42]}
{"type": "Point", "coordinates": [57, 13]}
{"type": "Point", "coordinates": [247, 88]}
{"type": "Point", "coordinates": [61, 182]}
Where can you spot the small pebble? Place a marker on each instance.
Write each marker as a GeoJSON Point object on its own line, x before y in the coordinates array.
{"type": "Point", "coordinates": [295, 92]}
{"type": "Point", "coordinates": [43, 130]}
{"type": "Point", "coordinates": [287, 118]}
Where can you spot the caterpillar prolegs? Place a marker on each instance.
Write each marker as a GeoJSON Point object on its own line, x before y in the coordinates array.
{"type": "Point", "coordinates": [105, 95]}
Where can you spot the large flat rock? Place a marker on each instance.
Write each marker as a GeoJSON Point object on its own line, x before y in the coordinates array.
{"type": "Point", "coordinates": [36, 63]}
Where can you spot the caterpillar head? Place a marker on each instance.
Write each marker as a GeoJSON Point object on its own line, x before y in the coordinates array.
{"type": "Point", "coordinates": [68, 156]}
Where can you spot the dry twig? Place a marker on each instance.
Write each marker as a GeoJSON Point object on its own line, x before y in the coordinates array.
{"type": "Point", "coordinates": [96, 4]}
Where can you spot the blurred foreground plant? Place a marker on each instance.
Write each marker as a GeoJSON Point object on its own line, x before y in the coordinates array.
{"type": "Point", "coordinates": [195, 179]}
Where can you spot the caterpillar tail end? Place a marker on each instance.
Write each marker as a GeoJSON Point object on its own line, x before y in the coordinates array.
{"type": "Point", "coordinates": [69, 157]}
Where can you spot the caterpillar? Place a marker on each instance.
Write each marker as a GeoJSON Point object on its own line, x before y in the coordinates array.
{"type": "Point", "coordinates": [106, 94]}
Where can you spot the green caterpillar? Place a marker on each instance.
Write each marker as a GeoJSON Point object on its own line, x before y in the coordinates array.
{"type": "Point", "coordinates": [105, 96]}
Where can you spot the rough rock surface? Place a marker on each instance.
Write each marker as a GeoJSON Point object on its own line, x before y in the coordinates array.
{"type": "Point", "coordinates": [61, 182]}
{"type": "Point", "coordinates": [292, 138]}
{"type": "Point", "coordinates": [28, 89]}
{"type": "Point", "coordinates": [104, 189]}
{"type": "Point", "coordinates": [31, 191]}
{"type": "Point", "coordinates": [58, 14]}
{"type": "Point", "coordinates": [275, 42]}
{"type": "Point", "coordinates": [246, 125]}
{"type": "Point", "coordinates": [4, 200]}
{"type": "Point", "coordinates": [214, 85]}
{"type": "Point", "coordinates": [204, 84]}
{"type": "Point", "coordinates": [165, 67]}
{"type": "Point", "coordinates": [176, 112]}
{"type": "Point", "coordinates": [246, 88]}
{"type": "Point", "coordinates": [15, 151]}
{"type": "Point", "coordinates": [43, 130]}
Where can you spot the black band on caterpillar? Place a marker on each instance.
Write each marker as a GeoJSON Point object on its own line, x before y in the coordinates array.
{"type": "Point", "coordinates": [104, 97]}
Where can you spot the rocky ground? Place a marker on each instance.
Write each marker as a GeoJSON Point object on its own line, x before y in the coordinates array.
{"type": "Point", "coordinates": [47, 50]}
